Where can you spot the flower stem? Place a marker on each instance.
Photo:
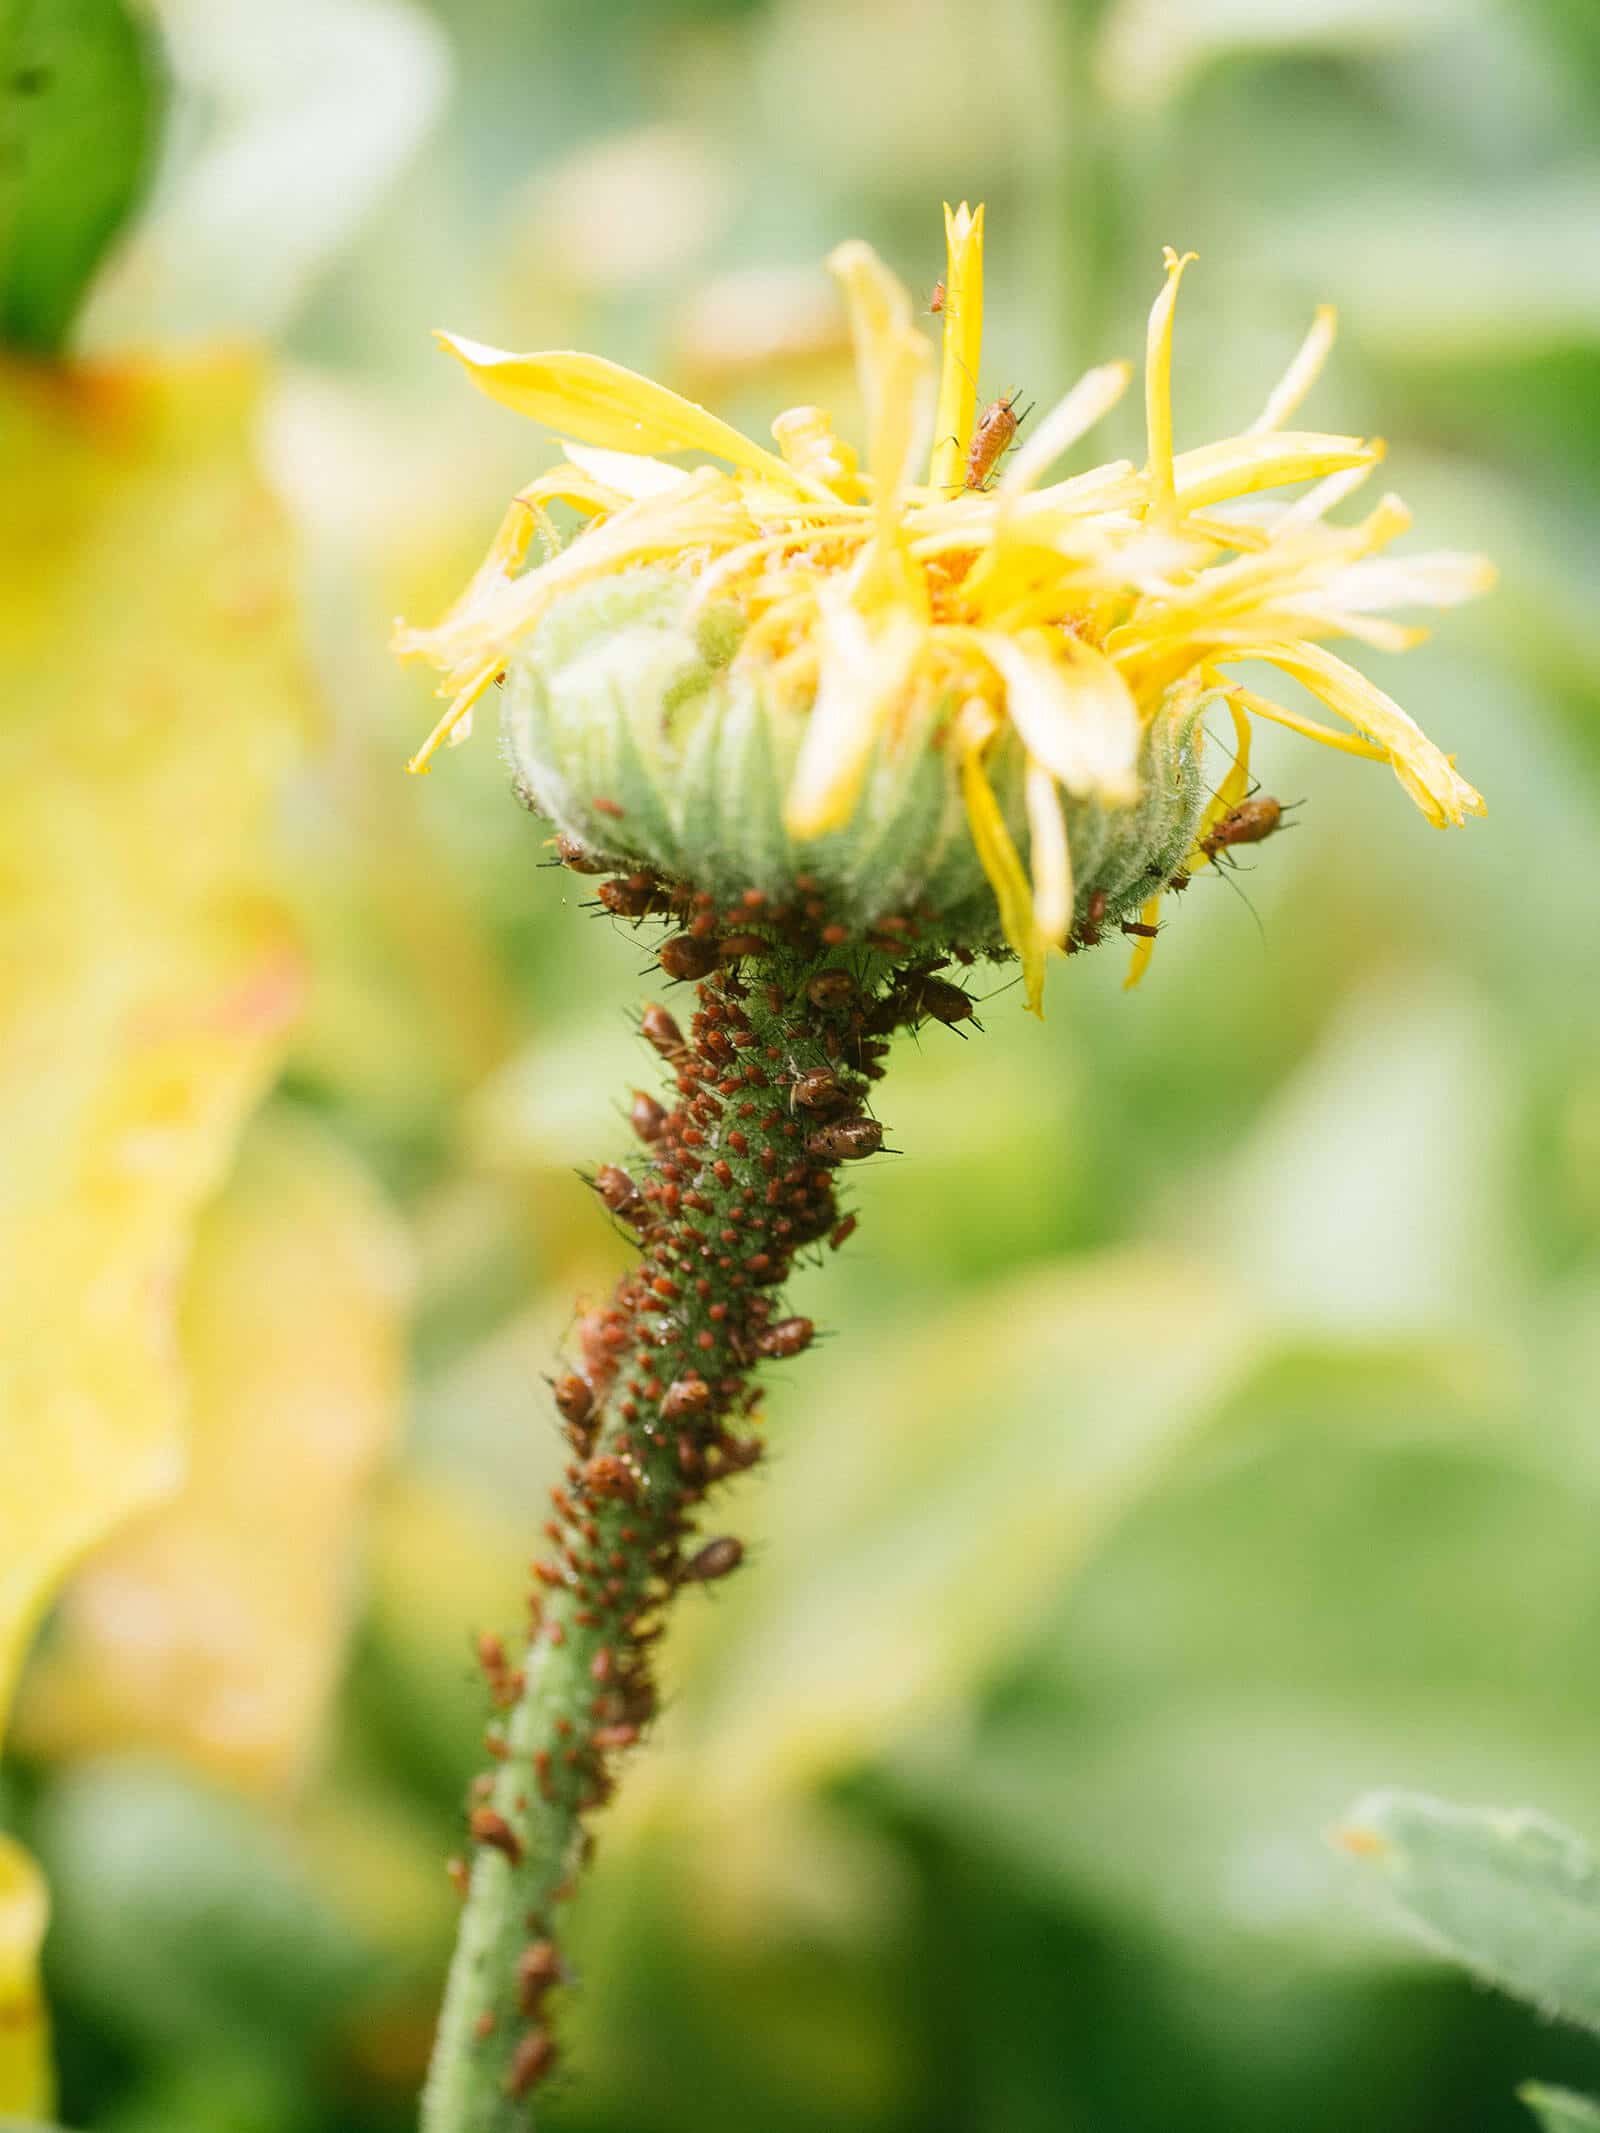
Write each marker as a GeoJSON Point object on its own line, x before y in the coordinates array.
{"type": "Point", "coordinates": [770, 1079]}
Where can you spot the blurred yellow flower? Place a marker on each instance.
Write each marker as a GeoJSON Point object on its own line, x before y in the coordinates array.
{"type": "Point", "coordinates": [942, 574]}
{"type": "Point", "coordinates": [147, 975]}
{"type": "Point", "coordinates": [214, 1624]}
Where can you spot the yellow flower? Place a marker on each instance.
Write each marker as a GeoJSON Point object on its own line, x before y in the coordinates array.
{"type": "Point", "coordinates": [932, 595]}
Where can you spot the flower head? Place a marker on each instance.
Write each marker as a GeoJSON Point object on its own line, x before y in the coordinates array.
{"type": "Point", "coordinates": [898, 669]}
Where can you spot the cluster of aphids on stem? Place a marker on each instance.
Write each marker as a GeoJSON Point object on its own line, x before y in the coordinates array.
{"type": "Point", "coordinates": [770, 1073]}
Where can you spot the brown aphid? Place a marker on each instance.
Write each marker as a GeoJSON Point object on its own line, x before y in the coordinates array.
{"type": "Point", "coordinates": [788, 1337]}
{"type": "Point", "coordinates": [649, 1119]}
{"type": "Point", "coordinates": [992, 439]}
{"type": "Point", "coordinates": [485, 1826]}
{"type": "Point", "coordinates": [1137, 926]}
{"type": "Point", "coordinates": [530, 2062]}
{"type": "Point", "coordinates": [607, 1475]}
{"type": "Point", "coordinates": [538, 1968]}
{"type": "Point", "coordinates": [1251, 822]}
{"type": "Point", "coordinates": [660, 1031]}
{"type": "Point", "coordinates": [1095, 910]}
{"type": "Point", "coordinates": [845, 1140]}
{"type": "Point", "coordinates": [578, 856]}
{"type": "Point", "coordinates": [484, 2027]}
{"type": "Point", "coordinates": [684, 1398]}
{"type": "Point", "coordinates": [817, 1089]}
{"type": "Point", "coordinates": [946, 1003]}
{"type": "Point", "coordinates": [574, 1397]}
{"type": "Point", "coordinates": [717, 1559]}
{"type": "Point", "coordinates": [459, 1872]}
{"type": "Point", "coordinates": [845, 1230]}
{"type": "Point", "coordinates": [687, 956]}
{"type": "Point", "coordinates": [617, 1189]}
{"type": "Point", "coordinates": [936, 300]}
{"type": "Point", "coordinates": [635, 898]}
{"type": "Point", "coordinates": [831, 988]}
{"type": "Point", "coordinates": [733, 947]}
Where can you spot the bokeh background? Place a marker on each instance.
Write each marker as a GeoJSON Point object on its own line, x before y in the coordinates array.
{"type": "Point", "coordinates": [1207, 1428]}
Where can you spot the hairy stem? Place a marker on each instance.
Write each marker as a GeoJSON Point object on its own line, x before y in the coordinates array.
{"type": "Point", "coordinates": [737, 1175]}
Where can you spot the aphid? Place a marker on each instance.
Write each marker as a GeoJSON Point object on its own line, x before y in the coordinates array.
{"type": "Point", "coordinates": [734, 946]}
{"type": "Point", "coordinates": [993, 438]}
{"type": "Point", "coordinates": [788, 1337]}
{"type": "Point", "coordinates": [538, 1968]}
{"type": "Point", "coordinates": [607, 1475]}
{"type": "Point", "coordinates": [846, 1140]}
{"type": "Point", "coordinates": [685, 1397]}
{"type": "Point", "coordinates": [574, 1399]}
{"type": "Point", "coordinates": [659, 1030]}
{"type": "Point", "coordinates": [717, 1559]}
{"type": "Point", "coordinates": [946, 1003]}
{"type": "Point", "coordinates": [486, 1827]}
{"type": "Point", "coordinates": [831, 988]}
{"type": "Point", "coordinates": [634, 898]}
{"type": "Point", "coordinates": [1137, 926]}
{"type": "Point", "coordinates": [686, 955]}
{"type": "Point", "coordinates": [649, 1118]}
{"type": "Point", "coordinates": [845, 1230]}
{"type": "Point", "coordinates": [617, 1189]}
{"type": "Point", "coordinates": [578, 856]}
{"type": "Point", "coordinates": [936, 300]}
{"type": "Point", "coordinates": [817, 1089]}
{"type": "Point", "coordinates": [1251, 822]}
{"type": "Point", "coordinates": [530, 2062]}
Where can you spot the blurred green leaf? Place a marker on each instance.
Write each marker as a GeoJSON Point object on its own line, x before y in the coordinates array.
{"type": "Point", "coordinates": [1559, 2110]}
{"type": "Point", "coordinates": [80, 96]}
{"type": "Point", "coordinates": [1512, 1896]}
{"type": "Point", "coordinates": [183, 1917]}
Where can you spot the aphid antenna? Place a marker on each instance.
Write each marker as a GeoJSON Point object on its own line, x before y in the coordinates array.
{"type": "Point", "coordinates": [1234, 886]}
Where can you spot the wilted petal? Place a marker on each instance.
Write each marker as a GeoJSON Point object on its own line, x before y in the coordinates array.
{"type": "Point", "coordinates": [1424, 770]}
{"type": "Point", "coordinates": [895, 366]}
{"type": "Point", "coordinates": [1073, 710]}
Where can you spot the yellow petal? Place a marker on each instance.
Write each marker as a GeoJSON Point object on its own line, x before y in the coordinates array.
{"type": "Point", "coordinates": [1049, 857]}
{"type": "Point", "coordinates": [1292, 388]}
{"type": "Point", "coordinates": [631, 474]}
{"type": "Point", "coordinates": [1239, 466]}
{"type": "Point", "coordinates": [1232, 789]}
{"type": "Point", "coordinates": [1007, 877]}
{"type": "Point", "coordinates": [599, 402]}
{"type": "Point", "coordinates": [1158, 384]}
{"type": "Point", "coordinates": [1144, 947]}
{"type": "Point", "coordinates": [1424, 770]}
{"type": "Point", "coordinates": [25, 2079]}
{"type": "Point", "coordinates": [1445, 579]}
{"type": "Point", "coordinates": [895, 367]}
{"type": "Point", "coordinates": [864, 672]}
{"type": "Point", "coordinates": [1297, 722]}
{"type": "Point", "coordinates": [963, 344]}
{"type": "Point", "coordinates": [1073, 710]}
{"type": "Point", "coordinates": [1091, 399]}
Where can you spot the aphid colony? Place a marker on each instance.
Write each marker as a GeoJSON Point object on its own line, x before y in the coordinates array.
{"type": "Point", "coordinates": [736, 1173]}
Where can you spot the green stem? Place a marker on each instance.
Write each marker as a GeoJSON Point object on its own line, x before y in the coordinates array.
{"type": "Point", "coordinates": [770, 1078]}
